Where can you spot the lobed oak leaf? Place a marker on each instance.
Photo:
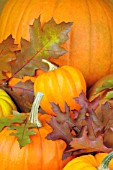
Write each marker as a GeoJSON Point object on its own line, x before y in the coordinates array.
{"type": "Point", "coordinates": [5, 121]}
{"type": "Point", "coordinates": [59, 132]}
{"type": "Point", "coordinates": [44, 43]}
{"type": "Point", "coordinates": [91, 133]}
{"type": "Point", "coordinates": [106, 115]}
{"type": "Point", "coordinates": [7, 55]}
{"type": "Point", "coordinates": [22, 133]}
{"type": "Point", "coordinates": [64, 117]}
{"type": "Point", "coordinates": [86, 145]}
{"type": "Point", "coordinates": [21, 126]}
{"type": "Point", "coordinates": [84, 102]}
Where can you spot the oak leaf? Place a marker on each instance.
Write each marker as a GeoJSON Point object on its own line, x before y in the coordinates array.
{"type": "Point", "coordinates": [22, 94]}
{"type": "Point", "coordinates": [90, 130]}
{"type": "Point", "coordinates": [7, 54]}
{"type": "Point", "coordinates": [44, 43]}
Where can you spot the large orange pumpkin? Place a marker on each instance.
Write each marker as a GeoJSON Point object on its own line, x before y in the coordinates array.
{"type": "Point", "coordinates": [90, 45]}
{"type": "Point", "coordinates": [39, 154]}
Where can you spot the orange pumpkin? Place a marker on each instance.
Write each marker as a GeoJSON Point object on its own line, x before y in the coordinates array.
{"type": "Point", "coordinates": [90, 45]}
{"type": "Point", "coordinates": [59, 86]}
{"type": "Point", "coordinates": [39, 154]}
{"type": "Point", "coordinates": [98, 162]}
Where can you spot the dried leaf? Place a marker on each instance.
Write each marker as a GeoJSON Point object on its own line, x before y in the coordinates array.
{"type": "Point", "coordinates": [22, 94]}
{"type": "Point", "coordinates": [83, 102]}
{"type": "Point", "coordinates": [90, 131]}
{"type": "Point", "coordinates": [59, 133]}
{"type": "Point", "coordinates": [44, 43]}
{"type": "Point", "coordinates": [106, 116]}
{"type": "Point", "coordinates": [7, 54]}
{"type": "Point", "coordinates": [86, 145]}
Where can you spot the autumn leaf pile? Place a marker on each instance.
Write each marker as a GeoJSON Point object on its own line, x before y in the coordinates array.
{"type": "Point", "coordinates": [87, 131]}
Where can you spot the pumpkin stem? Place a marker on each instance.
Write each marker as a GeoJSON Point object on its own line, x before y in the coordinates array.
{"type": "Point", "coordinates": [51, 66]}
{"type": "Point", "coordinates": [105, 162]}
{"type": "Point", "coordinates": [34, 110]}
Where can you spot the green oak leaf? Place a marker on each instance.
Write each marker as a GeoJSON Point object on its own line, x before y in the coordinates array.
{"type": "Point", "coordinates": [16, 118]}
{"type": "Point", "coordinates": [23, 134]}
{"type": "Point", "coordinates": [23, 131]}
{"type": "Point", "coordinates": [45, 42]}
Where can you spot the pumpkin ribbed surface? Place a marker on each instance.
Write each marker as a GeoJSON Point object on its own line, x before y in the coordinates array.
{"type": "Point", "coordinates": [40, 154]}
{"type": "Point", "coordinates": [89, 162]}
{"type": "Point", "coordinates": [6, 104]}
{"type": "Point", "coordinates": [59, 86]}
{"type": "Point", "coordinates": [90, 44]}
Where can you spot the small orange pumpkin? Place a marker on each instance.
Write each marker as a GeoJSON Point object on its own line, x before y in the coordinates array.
{"type": "Point", "coordinates": [39, 154]}
{"type": "Point", "coordinates": [89, 162]}
{"type": "Point", "coordinates": [60, 85]}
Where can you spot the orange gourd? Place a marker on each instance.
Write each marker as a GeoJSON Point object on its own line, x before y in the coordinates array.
{"type": "Point", "coordinates": [89, 162]}
{"type": "Point", "coordinates": [90, 45]}
{"type": "Point", "coordinates": [59, 86]}
{"type": "Point", "coordinates": [39, 154]}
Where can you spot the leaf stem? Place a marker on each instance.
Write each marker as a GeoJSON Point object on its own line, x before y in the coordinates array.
{"type": "Point", "coordinates": [51, 66]}
{"type": "Point", "coordinates": [105, 162]}
{"type": "Point", "coordinates": [34, 110]}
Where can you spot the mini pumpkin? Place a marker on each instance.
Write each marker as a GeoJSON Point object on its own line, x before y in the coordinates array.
{"type": "Point", "coordinates": [60, 85]}
{"type": "Point", "coordinates": [6, 104]}
{"type": "Point", "coordinates": [98, 162]}
{"type": "Point", "coordinates": [39, 154]}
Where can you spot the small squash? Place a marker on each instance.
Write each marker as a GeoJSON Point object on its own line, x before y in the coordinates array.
{"type": "Point", "coordinates": [60, 85]}
{"type": "Point", "coordinates": [39, 154]}
{"type": "Point", "coordinates": [6, 104]}
{"type": "Point", "coordinates": [89, 162]}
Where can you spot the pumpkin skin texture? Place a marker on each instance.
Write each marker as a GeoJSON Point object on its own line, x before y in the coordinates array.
{"type": "Point", "coordinates": [40, 154]}
{"type": "Point", "coordinates": [90, 45]}
{"type": "Point", "coordinates": [89, 162]}
{"type": "Point", "coordinates": [6, 104]}
{"type": "Point", "coordinates": [59, 86]}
